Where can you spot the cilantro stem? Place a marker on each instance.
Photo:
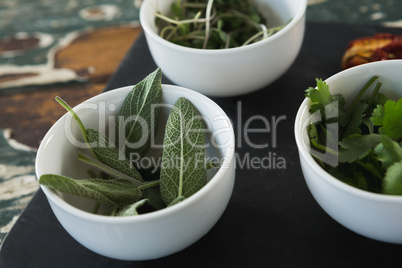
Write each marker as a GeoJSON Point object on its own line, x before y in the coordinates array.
{"type": "Point", "coordinates": [323, 148]}
{"type": "Point", "coordinates": [360, 94]}
{"type": "Point", "coordinates": [374, 94]}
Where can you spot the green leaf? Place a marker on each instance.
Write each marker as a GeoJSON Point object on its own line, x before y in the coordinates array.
{"type": "Point", "coordinates": [113, 192]}
{"type": "Point", "coordinates": [356, 119]}
{"type": "Point", "coordinates": [357, 146]}
{"type": "Point", "coordinates": [132, 210]}
{"type": "Point", "coordinates": [107, 170]}
{"type": "Point", "coordinates": [331, 107]}
{"type": "Point", "coordinates": [320, 96]}
{"type": "Point", "coordinates": [378, 115]}
{"type": "Point", "coordinates": [139, 115]}
{"type": "Point", "coordinates": [388, 151]}
{"type": "Point", "coordinates": [392, 183]}
{"type": "Point", "coordinates": [392, 121]}
{"type": "Point", "coordinates": [183, 169]}
{"type": "Point", "coordinates": [109, 154]}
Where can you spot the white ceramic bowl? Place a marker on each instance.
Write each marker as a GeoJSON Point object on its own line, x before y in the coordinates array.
{"type": "Point", "coordinates": [147, 236]}
{"type": "Point", "coordinates": [369, 214]}
{"type": "Point", "coordinates": [234, 71]}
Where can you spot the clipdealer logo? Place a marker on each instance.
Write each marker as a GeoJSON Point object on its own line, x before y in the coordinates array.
{"type": "Point", "coordinates": [259, 142]}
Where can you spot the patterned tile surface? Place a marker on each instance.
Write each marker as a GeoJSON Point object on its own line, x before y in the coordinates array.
{"type": "Point", "coordinates": [17, 179]}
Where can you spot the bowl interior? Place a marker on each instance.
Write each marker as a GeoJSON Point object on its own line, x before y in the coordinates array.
{"type": "Point", "coordinates": [58, 152]}
{"type": "Point", "coordinates": [276, 12]}
{"type": "Point", "coordinates": [348, 83]}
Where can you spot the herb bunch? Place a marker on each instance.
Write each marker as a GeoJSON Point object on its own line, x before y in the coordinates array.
{"type": "Point", "coordinates": [360, 145]}
{"type": "Point", "coordinates": [116, 183]}
{"type": "Point", "coordinates": [209, 24]}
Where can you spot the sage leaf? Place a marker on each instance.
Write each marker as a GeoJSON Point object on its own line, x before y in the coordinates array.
{"type": "Point", "coordinates": [106, 169]}
{"type": "Point", "coordinates": [113, 192]}
{"type": "Point", "coordinates": [177, 200]}
{"type": "Point", "coordinates": [153, 194]}
{"type": "Point", "coordinates": [139, 115]}
{"type": "Point", "coordinates": [132, 210]}
{"type": "Point", "coordinates": [109, 154]}
{"type": "Point", "coordinates": [183, 170]}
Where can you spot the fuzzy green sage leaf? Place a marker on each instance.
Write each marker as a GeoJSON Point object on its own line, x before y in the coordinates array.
{"type": "Point", "coordinates": [109, 154]}
{"type": "Point", "coordinates": [132, 210]}
{"type": "Point", "coordinates": [183, 170]}
{"type": "Point", "coordinates": [113, 192]}
{"type": "Point", "coordinates": [139, 114]}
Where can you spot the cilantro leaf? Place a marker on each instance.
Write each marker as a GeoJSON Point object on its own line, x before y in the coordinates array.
{"type": "Point", "coordinates": [392, 121]}
{"type": "Point", "coordinates": [357, 147]}
{"type": "Point", "coordinates": [388, 151]}
{"type": "Point", "coordinates": [319, 96]}
{"type": "Point", "coordinates": [369, 124]}
{"type": "Point", "coordinates": [378, 115]}
{"type": "Point", "coordinates": [392, 183]}
{"type": "Point", "coordinates": [329, 105]}
{"type": "Point", "coordinates": [365, 139]}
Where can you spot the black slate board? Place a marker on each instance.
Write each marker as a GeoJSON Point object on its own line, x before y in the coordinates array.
{"type": "Point", "coordinates": [271, 219]}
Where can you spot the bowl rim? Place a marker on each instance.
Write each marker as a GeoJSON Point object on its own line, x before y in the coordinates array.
{"type": "Point", "coordinates": [148, 31]}
{"type": "Point", "coordinates": [310, 160]}
{"type": "Point", "coordinates": [72, 210]}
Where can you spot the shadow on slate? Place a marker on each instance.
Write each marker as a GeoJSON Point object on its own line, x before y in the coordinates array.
{"type": "Point", "coordinates": [271, 219]}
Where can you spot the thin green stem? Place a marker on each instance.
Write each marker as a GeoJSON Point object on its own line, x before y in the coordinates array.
{"type": "Point", "coordinates": [148, 185]}
{"type": "Point", "coordinates": [80, 124]}
{"type": "Point", "coordinates": [323, 148]}
{"type": "Point", "coordinates": [360, 94]}
{"type": "Point", "coordinates": [70, 110]}
{"type": "Point", "coordinates": [207, 23]}
{"type": "Point", "coordinates": [179, 22]}
{"type": "Point", "coordinates": [375, 93]}
{"type": "Point", "coordinates": [111, 171]}
{"type": "Point", "coordinates": [267, 33]}
{"type": "Point", "coordinates": [194, 5]}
